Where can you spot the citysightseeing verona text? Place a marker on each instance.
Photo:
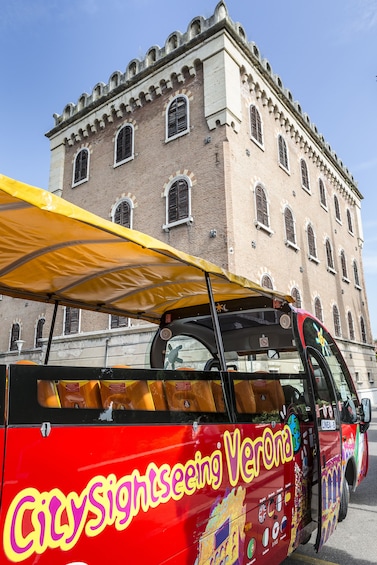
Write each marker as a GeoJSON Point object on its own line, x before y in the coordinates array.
{"type": "Point", "coordinates": [58, 520]}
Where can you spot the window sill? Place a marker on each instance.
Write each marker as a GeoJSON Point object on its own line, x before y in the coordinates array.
{"type": "Point", "coordinates": [258, 143]}
{"type": "Point", "coordinates": [188, 221]}
{"type": "Point", "coordinates": [80, 182]}
{"type": "Point", "coordinates": [263, 227]}
{"type": "Point", "coordinates": [331, 270]}
{"type": "Point", "coordinates": [168, 139]}
{"type": "Point", "coordinates": [284, 169]}
{"type": "Point", "coordinates": [346, 280]}
{"type": "Point", "coordinates": [313, 259]}
{"type": "Point", "coordinates": [119, 163]}
{"type": "Point", "coordinates": [292, 245]}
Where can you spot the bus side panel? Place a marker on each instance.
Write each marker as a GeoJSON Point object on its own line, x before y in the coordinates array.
{"type": "Point", "coordinates": [155, 494]}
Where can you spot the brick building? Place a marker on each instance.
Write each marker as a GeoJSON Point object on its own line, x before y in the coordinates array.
{"type": "Point", "coordinates": [201, 145]}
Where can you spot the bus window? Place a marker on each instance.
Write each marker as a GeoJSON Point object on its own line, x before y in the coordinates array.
{"type": "Point", "coordinates": [185, 352]}
{"type": "Point", "coordinates": [317, 337]}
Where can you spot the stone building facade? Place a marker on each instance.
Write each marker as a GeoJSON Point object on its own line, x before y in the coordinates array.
{"type": "Point", "coordinates": [201, 145]}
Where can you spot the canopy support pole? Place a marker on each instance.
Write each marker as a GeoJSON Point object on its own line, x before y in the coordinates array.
{"type": "Point", "coordinates": [52, 327]}
{"type": "Point", "coordinates": [225, 381]}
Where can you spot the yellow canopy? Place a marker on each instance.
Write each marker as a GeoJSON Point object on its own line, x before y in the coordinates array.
{"type": "Point", "coordinates": [54, 251]}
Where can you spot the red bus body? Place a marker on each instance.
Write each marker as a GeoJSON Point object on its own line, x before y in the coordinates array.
{"type": "Point", "coordinates": [176, 485]}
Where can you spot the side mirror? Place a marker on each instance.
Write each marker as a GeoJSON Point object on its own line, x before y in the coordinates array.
{"type": "Point", "coordinates": [349, 413]}
{"type": "Point", "coordinates": [366, 415]}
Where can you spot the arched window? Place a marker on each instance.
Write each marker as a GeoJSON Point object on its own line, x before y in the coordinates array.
{"type": "Point", "coordinates": [256, 125]}
{"type": "Point", "coordinates": [39, 332]}
{"type": "Point", "coordinates": [295, 293]}
{"type": "Point", "coordinates": [343, 263]}
{"type": "Point", "coordinates": [262, 206]}
{"type": "Point", "coordinates": [329, 256]}
{"type": "Point", "coordinates": [337, 209]}
{"type": "Point", "coordinates": [304, 175]}
{"type": "Point", "coordinates": [124, 144]}
{"type": "Point", "coordinates": [266, 282]}
{"type": "Point", "coordinates": [81, 167]}
{"type": "Point", "coordinates": [349, 221]}
{"type": "Point", "coordinates": [290, 232]}
{"type": "Point", "coordinates": [177, 121]}
{"type": "Point", "coordinates": [122, 214]}
{"type": "Point", "coordinates": [322, 193]}
{"type": "Point", "coordinates": [356, 274]}
{"type": "Point", "coordinates": [311, 242]}
{"type": "Point", "coordinates": [14, 337]}
{"type": "Point", "coordinates": [363, 330]}
{"type": "Point", "coordinates": [71, 320]}
{"type": "Point", "coordinates": [351, 329]}
{"type": "Point", "coordinates": [318, 312]}
{"type": "Point", "coordinates": [178, 202]}
{"type": "Point", "coordinates": [283, 153]}
{"type": "Point", "coordinates": [336, 318]}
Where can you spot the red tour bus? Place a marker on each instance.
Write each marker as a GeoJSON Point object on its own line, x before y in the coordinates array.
{"type": "Point", "coordinates": [243, 436]}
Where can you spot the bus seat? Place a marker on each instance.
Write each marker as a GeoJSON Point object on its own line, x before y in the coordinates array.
{"type": "Point", "coordinates": [217, 392]}
{"type": "Point", "coordinates": [158, 395]}
{"type": "Point", "coordinates": [26, 362]}
{"type": "Point", "coordinates": [245, 399]}
{"type": "Point", "coordinates": [79, 394]}
{"type": "Point", "coordinates": [126, 395]}
{"type": "Point", "coordinates": [48, 395]}
{"type": "Point", "coordinates": [190, 396]}
{"type": "Point", "coordinates": [268, 395]}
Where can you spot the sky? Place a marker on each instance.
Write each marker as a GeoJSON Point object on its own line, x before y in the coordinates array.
{"type": "Point", "coordinates": [325, 52]}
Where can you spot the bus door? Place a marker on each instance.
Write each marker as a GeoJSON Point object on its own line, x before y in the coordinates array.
{"type": "Point", "coordinates": [327, 484]}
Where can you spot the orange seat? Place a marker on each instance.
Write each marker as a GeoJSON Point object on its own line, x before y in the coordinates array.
{"type": "Point", "coordinates": [245, 399]}
{"type": "Point", "coordinates": [190, 396]}
{"type": "Point", "coordinates": [48, 395]}
{"type": "Point", "coordinates": [158, 395]}
{"type": "Point", "coordinates": [217, 392]}
{"type": "Point", "coordinates": [79, 394]}
{"type": "Point", "coordinates": [269, 395]}
{"type": "Point", "coordinates": [126, 395]}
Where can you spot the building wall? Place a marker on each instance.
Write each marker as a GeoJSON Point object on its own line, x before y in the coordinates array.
{"type": "Point", "coordinates": [222, 75]}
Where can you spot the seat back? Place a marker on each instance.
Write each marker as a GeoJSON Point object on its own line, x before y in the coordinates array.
{"type": "Point", "coordinates": [79, 394]}
{"type": "Point", "coordinates": [126, 395]}
{"type": "Point", "coordinates": [269, 395]}
{"type": "Point", "coordinates": [190, 396]}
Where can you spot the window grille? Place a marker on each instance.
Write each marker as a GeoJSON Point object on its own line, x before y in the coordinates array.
{"type": "Point", "coordinates": [124, 144]}
{"type": "Point", "coordinates": [311, 242]}
{"type": "Point", "coordinates": [336, 318]}
{"type": "Point", "coordinates": [81, 166]}
{"type": "Point", "coordinates": [261, 204]}
{"type": "Point", "coordinates": [177, 121]}
{"type": "Point", "coordinates": [71, 321]}
{"type": "Point", "coordinates": [256, 125]}
{"type": "Point", "coordinates": [283, 153]}
{"type": "Point", "coordinates": [304, 175]}
{"type": "Point", "coordinates": [289, 226]}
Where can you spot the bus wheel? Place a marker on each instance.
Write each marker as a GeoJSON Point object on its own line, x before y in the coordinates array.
{"type": "Point", "coordinates": [344, 501]}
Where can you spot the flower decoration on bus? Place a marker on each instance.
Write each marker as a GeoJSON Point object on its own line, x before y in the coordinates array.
{"type": "Point", "coordinates": [322, 341]}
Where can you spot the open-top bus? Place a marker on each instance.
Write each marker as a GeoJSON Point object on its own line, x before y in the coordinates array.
{"type": "Point", "coordinates": [243, 436]}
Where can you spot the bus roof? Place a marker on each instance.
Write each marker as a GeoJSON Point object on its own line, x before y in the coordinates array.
{"type": "Point", "coordinates": [53, 251]}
